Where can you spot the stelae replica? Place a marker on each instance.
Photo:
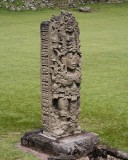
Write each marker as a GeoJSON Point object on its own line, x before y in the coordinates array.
{"type": "Point", "coordinates": [60, 75]}
{"type": "Point", "coordinates": [60, 90]}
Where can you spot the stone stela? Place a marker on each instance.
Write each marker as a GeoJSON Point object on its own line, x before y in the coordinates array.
{"type": "Point", "coordinates": [60, 75]}
{"type": "Point", "coordinates": [60, 91]}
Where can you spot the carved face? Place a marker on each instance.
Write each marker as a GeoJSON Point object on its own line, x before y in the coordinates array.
{"type": "Point", "coordinates": [66, 16]}
{"type": "Point", "coordinates": [72, 60]}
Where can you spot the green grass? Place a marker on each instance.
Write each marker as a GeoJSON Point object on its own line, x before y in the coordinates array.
{"type": "Point", "coordinates": [104, 89]}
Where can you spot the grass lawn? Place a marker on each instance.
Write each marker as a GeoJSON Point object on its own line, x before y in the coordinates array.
{"type": "Point", "coordinates": [104, 89]}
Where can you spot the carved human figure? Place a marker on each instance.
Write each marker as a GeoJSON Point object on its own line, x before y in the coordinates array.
{"type": "Point", "coordinates": [69, 104]}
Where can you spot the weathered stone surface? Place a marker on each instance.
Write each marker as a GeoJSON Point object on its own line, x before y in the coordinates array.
{"type": "Point", "coordinates": [60, 75]}
{"type": "Point", "coordinates": [85, 9]}
{"type": "Point", "coordinates": [77, 145]}
{"type": "Point", "coordinates": [102, 152]}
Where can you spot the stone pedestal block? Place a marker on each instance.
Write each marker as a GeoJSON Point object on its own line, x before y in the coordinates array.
{"type": "Point", "coordinates": [76, 145]}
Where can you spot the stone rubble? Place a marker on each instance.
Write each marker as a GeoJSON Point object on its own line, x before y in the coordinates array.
{"type": "Point", "coordinates": [85, 9]}
{"type": "Point", "coordinates": [25, 4]}
{"type": "Point", "coordinates": [15, 5]}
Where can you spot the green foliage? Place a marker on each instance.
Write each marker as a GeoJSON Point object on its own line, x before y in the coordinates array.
{"type": "Point", "coordinates": [104, 89]}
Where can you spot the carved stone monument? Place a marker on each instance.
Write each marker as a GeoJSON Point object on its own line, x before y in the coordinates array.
{"type": "Point", "coordinates": [60, 91]}
{"type": "Point", "coordinates": [60, 75]}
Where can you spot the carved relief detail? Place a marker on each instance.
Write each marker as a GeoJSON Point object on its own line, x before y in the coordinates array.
{"type": "Point", "coordinates": [60, 75]}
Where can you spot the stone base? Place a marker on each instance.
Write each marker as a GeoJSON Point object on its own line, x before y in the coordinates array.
{"type": "Point", "coordinates": [76, 145]}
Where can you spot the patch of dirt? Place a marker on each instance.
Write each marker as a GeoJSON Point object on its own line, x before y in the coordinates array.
{"type": "Point", "coordinates": [41, 156]}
